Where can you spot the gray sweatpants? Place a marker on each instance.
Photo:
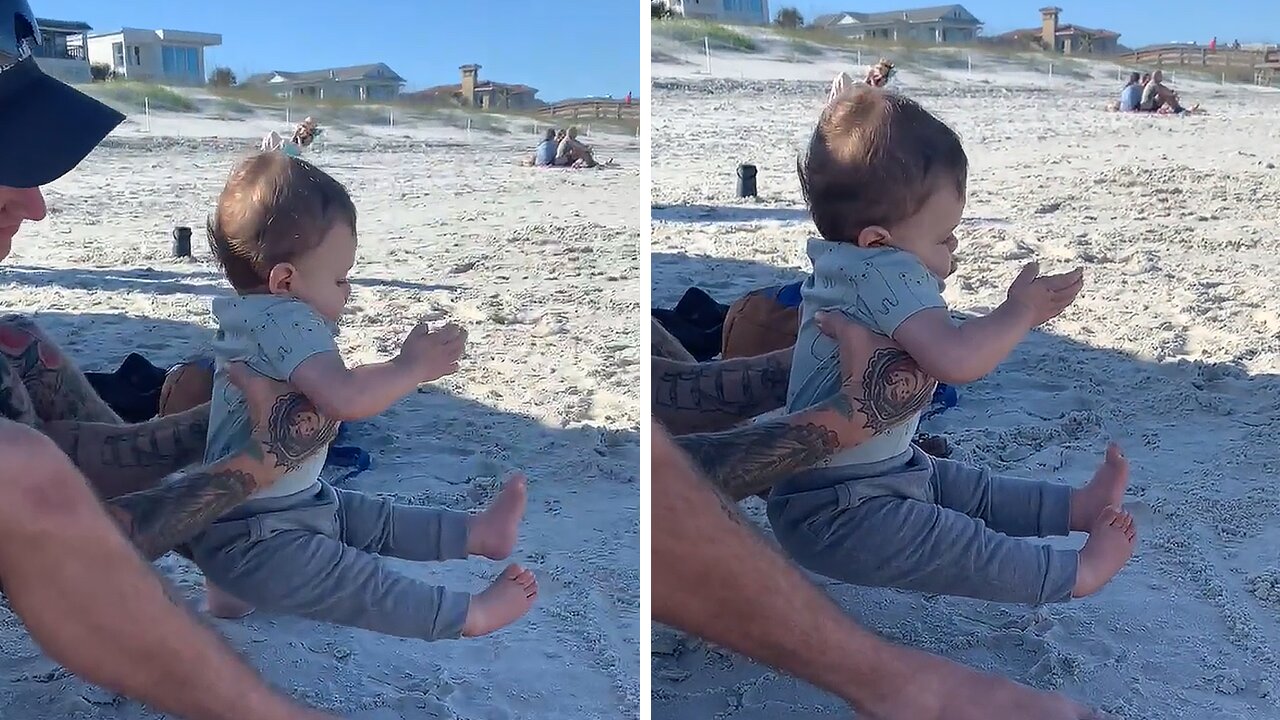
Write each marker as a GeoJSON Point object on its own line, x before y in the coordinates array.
{"type": "Point", "coordinates": [929, 525]}
{"type": "Point", "coordinates": [315, 555]}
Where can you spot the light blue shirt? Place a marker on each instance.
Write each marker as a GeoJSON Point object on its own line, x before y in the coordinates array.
{"type": "Point", "coordinates": [546, 153]}
{"type": "Point", "coordinates": [876, 287]}
{"type": "Point", "coordinates": [273, 335]}
{"type": "Point", "coordinates": [1130, 98]}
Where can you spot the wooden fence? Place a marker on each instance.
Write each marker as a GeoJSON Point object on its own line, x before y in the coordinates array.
{"type": "Point", "coordinates": [598, 109]}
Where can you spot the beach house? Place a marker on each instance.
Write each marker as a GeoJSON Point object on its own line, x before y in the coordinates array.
{"type": "Point", "coordinates": [940, 24]}
{"type": "Point", "coordinates": [61, 50]}
{"type": "Point", "coordinates": [1067, 39]}
{"type": "Point", "coordinates": [375, 82]}
{"type": "Point", "coordinates": [481, 94]}
{"type": "Point", "coordinates": [739, 12]}
{"type": "Point", "coordinates": [171, 57]}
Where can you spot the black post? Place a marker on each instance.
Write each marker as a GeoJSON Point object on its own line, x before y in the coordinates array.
{"type": "Point", "coordinates": [746, 181]}
{"type": "Point", "coordinates": [182, 241]}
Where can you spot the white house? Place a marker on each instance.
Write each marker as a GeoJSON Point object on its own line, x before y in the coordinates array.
{"type": "Point", "coordinates": [61, 50]}
{"type": "Point", "coordinates": [740, 12]}
{"type": "Point", "coordinates": [938, 24]}
{"type": "Point", "coordinates": [361, 83]}
{"type": "Point", "coordinates": [172, 57]}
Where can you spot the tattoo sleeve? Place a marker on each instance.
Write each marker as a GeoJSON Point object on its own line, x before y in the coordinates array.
{"type": "Point", "coordinates": [706, 397]}
{"type": "Point", "coordinates": [750, 459]}
{"type": "Point", "coordinates": [120, 459]}
{"type": "Point", "coordinates": [159, 519]}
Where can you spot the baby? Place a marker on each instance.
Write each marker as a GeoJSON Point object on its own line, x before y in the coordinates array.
{"type": "Point", "coordinates": [885, 184]}
{"type": "Point", "coordinates": [285, 234]}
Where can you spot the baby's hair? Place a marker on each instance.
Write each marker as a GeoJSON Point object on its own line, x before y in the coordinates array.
{"type": "Point", "coordinates": [874, 159]}
{"type": "Point", "coordinates": [274, 209]}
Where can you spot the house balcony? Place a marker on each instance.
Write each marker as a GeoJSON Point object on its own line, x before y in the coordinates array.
{"type": "Point", "coordinates": [51, 52]}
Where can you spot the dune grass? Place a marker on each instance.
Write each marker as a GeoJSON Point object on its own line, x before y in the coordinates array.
{"type": "Point", "coordinates": [692, 32]}
{"type": "Point", "coordinates": [136, 95]}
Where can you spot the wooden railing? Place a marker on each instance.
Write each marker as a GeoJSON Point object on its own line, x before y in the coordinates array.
{"type": "Point", "coordinates": [1193, 55]}
{"type": "Point", "coordinates": [616, 109]}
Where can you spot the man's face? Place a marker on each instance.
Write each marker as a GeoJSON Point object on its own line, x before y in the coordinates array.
{"type": "Point", "coordinates": [17, 205]}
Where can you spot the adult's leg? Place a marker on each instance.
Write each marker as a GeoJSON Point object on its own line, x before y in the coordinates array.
{"type": "Point", "coordinates": [716, 577]}
{"type": "Point", "coordinates": [93, 605]}
{"type": "Point", "coordinates": [58, 390]}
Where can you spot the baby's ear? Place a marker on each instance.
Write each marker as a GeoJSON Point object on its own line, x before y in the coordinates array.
{"type": "Point", "coordinates": [280, 279]}
{"type": "Point", "coordinates": [873, 236]}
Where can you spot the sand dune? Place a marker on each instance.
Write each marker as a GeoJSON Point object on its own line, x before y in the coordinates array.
{"type": "Point", "coordinates": [1172, 349]}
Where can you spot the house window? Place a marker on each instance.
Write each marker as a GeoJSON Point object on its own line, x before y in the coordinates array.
{"type": "Point", "coordinates": [183, 62]}
{"type": "Point", "coordinates": [117, 53]}
{"type": "Point", "coordinates": [137, 55]}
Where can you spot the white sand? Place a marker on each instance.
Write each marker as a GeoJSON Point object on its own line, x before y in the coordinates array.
{"type": "Point", "coordinates": [1172, 349]}
{"type": "Point", "coordinates": [539, 265]}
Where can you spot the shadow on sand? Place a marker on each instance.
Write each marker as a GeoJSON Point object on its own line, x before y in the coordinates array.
{"type": "Point", "coordinates": [159, 282]}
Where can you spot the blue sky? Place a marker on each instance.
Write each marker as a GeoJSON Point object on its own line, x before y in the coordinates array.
{"type": "Point", "coordinates": [1139, 22]}
{"type": "Point", "coordinates": [565, 48]}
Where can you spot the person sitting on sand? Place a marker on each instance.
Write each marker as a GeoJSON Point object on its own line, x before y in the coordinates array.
{"type": "Point", "coordinates": [285, 235]}
{"type": "Point", "coordinates": [306, 132]}
{"type": "Point", "coordinates": [573, 152]}
{"type": "Point", "coordinates": [885, 182]}
{"type": "Point", "coordinates": [878, 75]}
{"type": "Point", "coordinates": [545, 154]}
{"type": "Point", "coordinates": [1131, 94]}
{"type": "Point", "coordinates": [1157, 97]}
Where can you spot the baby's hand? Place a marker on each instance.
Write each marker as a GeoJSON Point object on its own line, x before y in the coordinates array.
{"type": "Point", "coordinates": [1045, 296]}
{"type": "Point", "coordinates": [434, 354]}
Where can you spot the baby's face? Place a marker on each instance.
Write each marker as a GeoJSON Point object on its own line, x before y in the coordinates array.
{"type": "Point", "coordinates": [930, 233]}
{"type": "Point", "coordinates": [320, 276]}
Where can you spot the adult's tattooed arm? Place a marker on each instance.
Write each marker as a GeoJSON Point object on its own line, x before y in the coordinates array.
{"type": "Point", "coordinates": [119, 459]}
{"type": "Point", "coordinates": [704, 397]}
{"type": "Point", "coordinates": [162, 518]}
{"type": "Point", "coordinates": [882, 387]}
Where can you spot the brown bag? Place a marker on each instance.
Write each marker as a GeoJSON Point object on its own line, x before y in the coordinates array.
{"type": "Point", "coordinates": [757, 324]}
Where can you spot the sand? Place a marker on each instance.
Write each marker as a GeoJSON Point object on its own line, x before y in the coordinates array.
{"type": "Point", "coordinates": [541, 266]}
{"type": "Point", "coordinates": [1172, 350]}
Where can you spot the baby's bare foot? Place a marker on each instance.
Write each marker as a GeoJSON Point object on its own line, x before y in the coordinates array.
{"type": "Point", "coordinates": [221, 604]}
{"type": "Point", "coordinates": [1106, 488]}
{"type": "Point", "coordinates": [492, 532]}
{"type": "Point", "coordinates": [1109, 547]}
{"type": "Point", "coordinates": [502, 603]}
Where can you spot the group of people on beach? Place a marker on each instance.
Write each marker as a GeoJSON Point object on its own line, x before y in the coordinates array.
{"type": "Point", "coordinates": [1146, 92]}
{"type": "Point", "coordinates": [562, 148]}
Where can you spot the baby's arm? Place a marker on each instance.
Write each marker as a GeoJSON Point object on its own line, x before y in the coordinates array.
{"type": "Point", "coordinates": [357, 393]}
{"type": "Point", "coordinates": [343, 393]}
{"type": "Point", "coordinates": [959, 354]}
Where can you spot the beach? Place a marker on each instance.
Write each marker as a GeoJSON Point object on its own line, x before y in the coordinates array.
{"type": "Point", "coordinates": [539, 265]}
{"type": "Point", "coordinates": [1171, 350]}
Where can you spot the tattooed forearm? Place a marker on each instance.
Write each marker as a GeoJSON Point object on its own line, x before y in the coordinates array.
{"type": "Point", "coordinates": [119, 459]}
{"type": "Point", "coordinates": [703, 397]}
{"type": "Point", "coordinates": [741, 463]}
{"type": "Point", "coordinates": [159, 519]}
{"type": "Point", "coordinates": [58, 390]}
{"type": "Point", "coordinates": [15, 402]}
